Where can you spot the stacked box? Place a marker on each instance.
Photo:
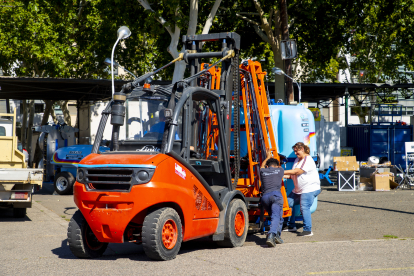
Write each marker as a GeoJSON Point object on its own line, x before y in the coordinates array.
{"type": "Point", "coordinates": [381, 181]}
{"type": "Point", "coordinates": [345, 163]}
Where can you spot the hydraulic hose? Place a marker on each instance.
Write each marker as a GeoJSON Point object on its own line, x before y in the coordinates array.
{"type": "Point", "coordinates": [115, 138]}
{"type": "Point", "coordinates": [101, 128]}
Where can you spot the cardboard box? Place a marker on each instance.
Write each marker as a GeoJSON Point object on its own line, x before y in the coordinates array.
{"type": "Point", "coordinates": [345, 163]}
{"type": "Point", "coordinates": [365, 184]}
{"type": "Point", "coordinates": [381, 181]}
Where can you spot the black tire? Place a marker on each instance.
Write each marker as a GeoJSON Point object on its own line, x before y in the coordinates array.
{"type": "Point", "coordinates": [154, 245]}
{"type": "Point", "coordinates": [82, 241]}
{"type": "Point", "coordinates": [64, 183]}
{"type": "Point", "coordinates": [235, 235]}
{"type": "Point", "coordinates": [19, 212]}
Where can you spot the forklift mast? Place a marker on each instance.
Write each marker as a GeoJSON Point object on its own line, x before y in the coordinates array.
{"type": "Point", "coordinates": [206, 121]}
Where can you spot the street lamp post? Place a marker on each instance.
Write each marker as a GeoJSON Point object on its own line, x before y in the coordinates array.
{"type": "Point", "coordinates": [279, 71]}
{"type": "Point", "coordinates": [123, 32]}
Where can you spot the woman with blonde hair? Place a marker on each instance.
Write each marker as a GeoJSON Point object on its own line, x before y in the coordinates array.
{"type": "Point", "coordinates": [305, 177]}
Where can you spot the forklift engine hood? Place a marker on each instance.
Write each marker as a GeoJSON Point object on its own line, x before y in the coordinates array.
{"type": "Point", "coordinates": [122, 159]}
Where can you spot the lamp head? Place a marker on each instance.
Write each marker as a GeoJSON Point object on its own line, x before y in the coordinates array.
{"type": "Point", "coordinates": [123, 32]}
{"type": "Point", "coordinates": [107, 61]}
{"type": "Point", "coordinates": [277, 71]}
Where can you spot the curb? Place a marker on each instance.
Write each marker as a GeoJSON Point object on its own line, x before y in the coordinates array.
{"type": "Point", "coordinates": [51, 214]}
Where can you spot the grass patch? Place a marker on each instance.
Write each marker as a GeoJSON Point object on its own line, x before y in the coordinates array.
{"type": "Point", "coordinates": [63, 216]}
{"type": "Point", "coordinates": [38, 201]}
{"type": "Point", "coordinates": [390, 237]}
{"type": "Point", "coordinates": [41, 210]}
{"type": "Point", "coordinates": [67, 219]}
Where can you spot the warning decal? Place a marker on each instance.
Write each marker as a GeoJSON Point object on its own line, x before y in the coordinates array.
{"type": "Point", "coordinates": [180, 171]}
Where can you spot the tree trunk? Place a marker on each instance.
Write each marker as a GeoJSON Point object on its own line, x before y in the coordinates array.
{"type": "Point", "coordinates": [66, 113]}
{"type": "Point", "coordinates": [52, 113]}
{"type": "Point", "coordinates": [29, 130]}
{"type": "Point", "coordinates": [288, 64]}
{"type": "Point", "coordinates": [279, 80]}
{"type": "Point", "coordinates": [24, 124]}
{"type": "Point", "coordinates": [179, 69]}
{"type": "Point", "coordinates": [361, 111]}
{"type": "Point", "coordinates": [48, 110]}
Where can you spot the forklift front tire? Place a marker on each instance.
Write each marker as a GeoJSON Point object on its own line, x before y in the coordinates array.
{"type": "Point", "coordinates": [162, 234]}
{"type": "Point", "coordinates": [236, 225]}
{"type": "Point", "coordinates": [82, 241]}
{"type": "Point", "coordinates": [64, 183]}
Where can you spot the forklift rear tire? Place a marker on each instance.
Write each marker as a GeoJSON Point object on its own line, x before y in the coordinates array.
{"type": "Point", "coordinates": [82, 241]}
{"type": "Point", "coordinates": [236, 225]}
{"type": "Point", "coordinates": [19, 212]}
{"type": "Point", "coordinates": [162, 234]}
{"type": "Point", "coordinates": [64, 183]}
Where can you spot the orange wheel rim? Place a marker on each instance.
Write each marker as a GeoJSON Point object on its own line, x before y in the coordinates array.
{"type": "Point", "coordinates": [169, 234]}
{"type": "Point", "coordinates": [91, 240]}
{"type": "Point", "coordinates": [239, 223]}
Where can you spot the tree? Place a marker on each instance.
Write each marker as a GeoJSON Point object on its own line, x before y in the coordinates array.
{"type": "Point", "coordinates": [67, 39]}
{"type": "Point", "coordinates": [308, 24]}
{"type": "Point", "coordinates": [380, 48]}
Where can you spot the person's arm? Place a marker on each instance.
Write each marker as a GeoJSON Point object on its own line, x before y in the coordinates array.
{"type": "Point", "coordinates": [295, 171]}
{"type": "Point", "coordinates": [268, 156]}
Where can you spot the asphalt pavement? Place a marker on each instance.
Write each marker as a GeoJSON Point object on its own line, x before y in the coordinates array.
{"type": "Point", "coordinates": [355, 233]}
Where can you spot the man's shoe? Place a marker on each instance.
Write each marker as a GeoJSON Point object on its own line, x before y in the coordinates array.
{"type": "Point", "coordinates": [305, 234]}
{"type": "Point", "coordinates": [278, 239]}
{"type": "Point", "coordinates": [289, 229]}
{"type": "Point", "coordinates": [271, 240]}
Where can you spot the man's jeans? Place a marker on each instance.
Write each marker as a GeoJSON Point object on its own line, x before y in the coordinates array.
{"type": "Point", "coordinates": [305, 200]}
{"type": "Point", "coordinates": [273, 203]}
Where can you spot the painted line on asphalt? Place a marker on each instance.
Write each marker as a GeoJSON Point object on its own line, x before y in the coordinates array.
{"type": "Point", "coordinates": [361, 270]}
{"type": "Point", "coordinates": [51, 214]}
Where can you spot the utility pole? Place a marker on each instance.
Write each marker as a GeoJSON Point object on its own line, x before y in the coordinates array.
{"type": "Point", "coordinates": [287, 62]}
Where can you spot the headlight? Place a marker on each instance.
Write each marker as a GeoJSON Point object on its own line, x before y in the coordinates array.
{"type": "Point", "coordinates": [81, 175]}
{"type": "Point", "coordinates": [142, 176]}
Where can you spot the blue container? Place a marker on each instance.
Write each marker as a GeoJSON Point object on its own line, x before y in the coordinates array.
{"type": "Point", "coordinates": [293, 124]}
{"type": "Point", "coordinates": [380, 140]}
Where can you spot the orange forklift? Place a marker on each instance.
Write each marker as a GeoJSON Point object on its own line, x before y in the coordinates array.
{"type": "Point", "coordinates": [174, 171]}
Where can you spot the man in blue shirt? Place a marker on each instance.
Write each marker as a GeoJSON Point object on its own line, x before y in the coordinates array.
{"type": "Point", "coordinates": [271, 175]}
{"type": "Point", "coordinates": [160, 126]}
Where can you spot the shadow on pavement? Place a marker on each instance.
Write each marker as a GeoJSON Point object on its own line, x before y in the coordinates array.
{"type": "Point", "coordinates": [47, 189]}
{"type": "Point", "coordinates": [69, 208]}
{"type": "Point", "coordinates": [133, 251]}
{"type": "Point", "coordinates": [6, 215]}
{"type": "Point", "coordinates": [368, 207]}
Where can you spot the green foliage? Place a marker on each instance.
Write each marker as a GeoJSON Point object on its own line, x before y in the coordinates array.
{"type": "Point", "coordinates": [70, 38]}
{"type": "Point", "coordinates": [378, 34]}
{"type": "Point", "coordinates": [383, 41]}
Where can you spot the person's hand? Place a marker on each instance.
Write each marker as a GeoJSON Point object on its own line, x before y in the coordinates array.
{"type": "Point", "coordinates": [268, 153]}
